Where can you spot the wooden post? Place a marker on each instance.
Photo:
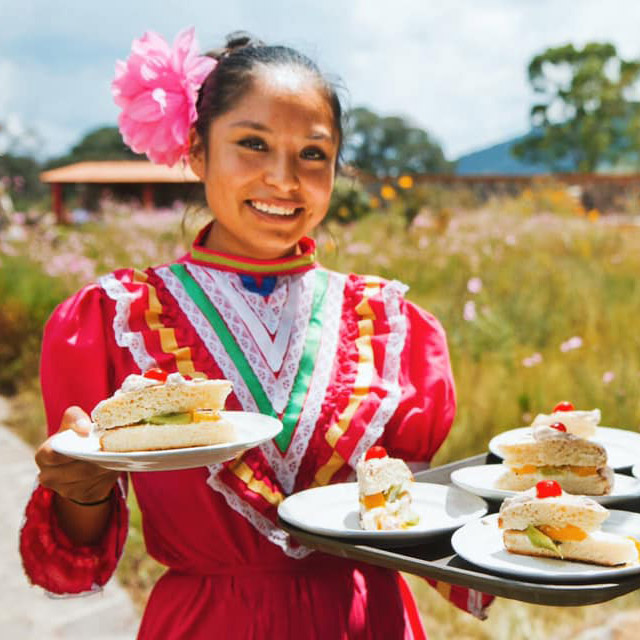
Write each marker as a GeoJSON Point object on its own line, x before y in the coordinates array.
{"type": "Point", "coordinates": [57, 202]}
{"type": "Point", "coordinates": [147, 196]}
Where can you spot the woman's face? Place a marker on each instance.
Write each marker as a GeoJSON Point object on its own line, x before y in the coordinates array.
{"type": "Point", "coordinates": [269, 170]}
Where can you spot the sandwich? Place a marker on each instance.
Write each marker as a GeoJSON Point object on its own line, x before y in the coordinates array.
{"type": "Point", "coordinates": [384, 485]}
{"type": "Point", "coordinates": [157, 410]}
{"type": "Point", "coordinates": [551, 453]}
{"type": "Point", "coordinates": [579, 423]}
{"type": "Point", "coordinates": [545, 521]}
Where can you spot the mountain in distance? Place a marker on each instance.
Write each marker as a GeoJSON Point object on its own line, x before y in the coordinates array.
{"type": "Point", "coordinates": [498, 159]}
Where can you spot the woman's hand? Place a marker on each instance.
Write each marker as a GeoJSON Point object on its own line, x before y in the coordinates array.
{"type": "Point", "coordinates": [75, 481]}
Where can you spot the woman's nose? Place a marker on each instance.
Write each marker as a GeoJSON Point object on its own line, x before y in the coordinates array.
{"type": "Point", "coordinates": [282, 172]}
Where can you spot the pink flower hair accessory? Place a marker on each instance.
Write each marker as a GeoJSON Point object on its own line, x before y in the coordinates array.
{"type": "Point", "coordinates": [157, 88]}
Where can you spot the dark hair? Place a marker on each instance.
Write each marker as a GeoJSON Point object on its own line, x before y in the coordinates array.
{"type": "Point", "coordinates": [234, 73]}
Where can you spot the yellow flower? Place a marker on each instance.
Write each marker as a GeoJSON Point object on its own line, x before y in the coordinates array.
{"type": "Point", "coordinates": [593, 215]}
{"type": "Point", "coordinates": [405, 182]}
{"type": "Point", "coordinates": [374, 203]}
{"type": "Point", "coordinates": [343, 211]}
{"type": "Point", "coordinates": [388, 192]}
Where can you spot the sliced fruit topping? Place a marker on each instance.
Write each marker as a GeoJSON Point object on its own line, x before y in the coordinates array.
{"type": "Point", "coordinates": [558, 426]}
{"type": "Point", "coordinates": [539, 539]}
{"type": "Point", "coordinates": [170, 418]}
{"type": "Point", "coordinates": [565, 405]}
{"type": "Point", "coordinates": [374, 500]}
{"type": "Point", "coordinates": [156, 374]}
{"type": "Point", "coordinates": [376, 452]}
{"type": "Point", "coordinates": [583, 471]}
{"type": "Point", "coordinates": [568, 532]}
{"type": "Point", "coordinates": [548, 489]}
{"type": "Point", "coordinates": [524, 469]}
{"type": "Point", "coordinates": [205, 415]}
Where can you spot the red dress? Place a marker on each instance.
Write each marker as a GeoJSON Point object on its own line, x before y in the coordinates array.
{"type": "Point", "coordinates": [344, 361]}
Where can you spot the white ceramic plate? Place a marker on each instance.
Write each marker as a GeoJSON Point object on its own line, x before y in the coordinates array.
{"type": "Point", "coordinates": [636, 470]}
{"type": "Point", "coordinates": [251, 430]}
{"type": "Point", "coordinates": [480, 542]}
{"type": "Point", "coordinates": [623, 447]}
{"type": "Point", "coordinates": [333, 511]}
{"type": "Point", "coordinates": [481, 480]}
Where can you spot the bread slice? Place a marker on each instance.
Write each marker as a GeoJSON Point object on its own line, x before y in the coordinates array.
{"type": "Point", "coordinates": [599, 483]}
{"type": "Point", "coordinates": [598, 547]}
{"type": "Point", "coordinates": [525, 509]}
{"type": "Point", "coordinates": [149, 437]}
{"type": "Point", "coordinates": [380, 474]}
{"type": "Point", "coordinates": [129, 407]}
{"type": "Point", "coordinates": [547, 446]}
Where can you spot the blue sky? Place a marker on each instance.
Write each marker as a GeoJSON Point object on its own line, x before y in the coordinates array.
{"type": "Point", "coordinates": [455, 67]}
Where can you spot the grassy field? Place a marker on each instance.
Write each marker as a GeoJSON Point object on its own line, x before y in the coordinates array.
{"type": "Point", "coordinates": [539, 306]}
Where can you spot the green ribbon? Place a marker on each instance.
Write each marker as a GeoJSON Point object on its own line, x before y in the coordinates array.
{"type": "Point", "coordinates": [305, 370]}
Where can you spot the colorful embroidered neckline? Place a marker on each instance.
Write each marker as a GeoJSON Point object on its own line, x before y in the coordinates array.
{"type": "Point", "coordinates": [298, 263]}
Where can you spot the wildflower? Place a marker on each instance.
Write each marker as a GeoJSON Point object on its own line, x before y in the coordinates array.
{"type": "Point", "coordinates": [474, 285]}
{"type": "Point", "coordinates": [388, 192]}
{"type": "Point", "coordinates": [532, 360]}
{"type": "Point", "coordinates": [574, 342]}
{"type": "Point", "coordinates": [608, 377]}
{"type": "Point", "coordinates": [358, 248]}
{"type": "Point", "coordinates": [374, 202]}
{"type": "Point", "coordinates": [405, 182]}
{"type": "Point", "coordinates": [510, 240]}
{"type": "Point", "coordinates": [469, 313]}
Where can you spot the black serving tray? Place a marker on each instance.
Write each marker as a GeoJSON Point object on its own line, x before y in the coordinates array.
{"type": "Point", "coordinates": [436, 559]}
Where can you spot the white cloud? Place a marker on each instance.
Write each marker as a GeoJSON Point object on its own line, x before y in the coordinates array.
{"type": "Point", "coordinates": [457, 68]}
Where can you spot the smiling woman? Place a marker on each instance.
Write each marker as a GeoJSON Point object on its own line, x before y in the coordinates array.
{"type": "Point", "coordinates": [343, 361]}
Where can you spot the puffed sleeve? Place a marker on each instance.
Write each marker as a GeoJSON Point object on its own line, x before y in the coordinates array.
{"type": "Point", "coordinates": [427, 404]}
{"type": "Point", "coordinates": [79, 356]}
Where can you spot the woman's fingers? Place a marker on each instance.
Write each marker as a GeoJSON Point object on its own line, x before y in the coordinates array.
{"type": "Point", "coordinates": [77, 419]}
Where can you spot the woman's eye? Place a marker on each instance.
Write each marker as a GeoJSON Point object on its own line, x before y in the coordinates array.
{"type": "Point", "coordinates": [256, 144]}
{"type": "Point", "coordinates": [313, 153]}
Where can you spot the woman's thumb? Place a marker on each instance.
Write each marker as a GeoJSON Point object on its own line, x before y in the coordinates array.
{"type": "Point", "coordinates": [77, 419]}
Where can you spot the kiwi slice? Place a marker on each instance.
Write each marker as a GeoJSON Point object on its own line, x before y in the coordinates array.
{"type": "Point", "coordinates": [539, 539]}
{"type": "Point", "coordinates": [170, 418]}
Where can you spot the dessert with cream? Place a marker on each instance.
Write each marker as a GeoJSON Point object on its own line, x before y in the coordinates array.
{"type": "Point", "coordinates": [157, 410]}
{"type": "Point", "coordinates": [545, 521]}
{"type": "Point", "coordinates": [384, 489]}
{"type": "Point", "coordinates": [579, 423]}
{"type": "Point", "coordinates": [552, 453]}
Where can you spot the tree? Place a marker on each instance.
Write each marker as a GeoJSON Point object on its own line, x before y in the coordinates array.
{"type": "Point", "coordinates": [390, 146]}
{"type": "Point", "coordinates": [586, 115]}
{"type": "Point", "coordinates": [104, 143]}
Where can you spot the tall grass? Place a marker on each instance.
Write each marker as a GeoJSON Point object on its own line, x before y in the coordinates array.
{"type": "Point", "coordinates": [538, 308]}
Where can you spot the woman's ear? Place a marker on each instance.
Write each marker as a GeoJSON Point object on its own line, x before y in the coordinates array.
{"type": "Point", "coordinates": [196, 154]}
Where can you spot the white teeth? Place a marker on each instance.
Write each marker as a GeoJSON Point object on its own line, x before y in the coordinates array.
{"type": "Point", "coordinates": [269, 208]}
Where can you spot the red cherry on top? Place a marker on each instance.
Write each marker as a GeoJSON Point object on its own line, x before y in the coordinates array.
{"type": "Point", "coordinates": [376, 452]}
{"type": "Point", "coordinates": [564, 406]}
{"type": "Point", "coordinates": [558, 426]}
{"type": "Point", "coordinates": [156, 374]}
{"type": "Point", "coordinates": [548, 489]}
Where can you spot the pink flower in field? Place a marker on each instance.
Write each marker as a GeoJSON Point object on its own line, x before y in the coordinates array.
{"type": "Point", "coordinates": [423, 243]}
{"type": "Point", "coordinates": [510, 240]}
{"type": "Point", "coordinates": [157, 88]}
{"type": "Point", "coordinates": [607, 377]}
{"type": "Point", "coordinates": [68, 263]}
{"type": "Point", "coordinates": [532, 360]}
{"type": "Point", "coordinates": [474, 285]}
{"type": "Point", "coordinates": [358, 248]}
{"type": "Point", "coordinates": [469, 312]}
{"type": "Point", "coordinates": [572, 343]}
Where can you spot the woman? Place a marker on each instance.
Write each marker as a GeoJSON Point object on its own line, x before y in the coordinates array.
{"type": "Point", "coordinates": [344, 360]}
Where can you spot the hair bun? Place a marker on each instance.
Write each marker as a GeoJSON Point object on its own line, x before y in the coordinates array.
{"type": "Point", "coordinates": [240, 39]}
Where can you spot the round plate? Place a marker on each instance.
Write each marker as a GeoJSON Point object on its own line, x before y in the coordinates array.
{"type": "Point", "coordinates": [623, 447]}
{"type": "Point", "coordinates": [481, 481]}
{"type": "Point", "coordinates": [333, 511]}
{"type": "Point", "coordinates": [480, 543]}
{"type": "Point", "coordinates": [251, 430]}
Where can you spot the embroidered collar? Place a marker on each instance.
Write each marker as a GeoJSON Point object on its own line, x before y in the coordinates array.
{"type": "Point", "coordinates": [298, 263]}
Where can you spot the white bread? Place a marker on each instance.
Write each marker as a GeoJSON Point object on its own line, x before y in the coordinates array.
{"type": "Point", "coordinates": [579, 423]}
{"type": "Point", "coordinates": [526, 509]}
{"type": "Point", "coordinates": [597, 484]}
{"type": "Point", "coordinates": [149, 437]}
{"type": "Point", "coordinates": [598, 547]}
{"type": "Point", "coordinates": [128, 407]}
{"type": "Point", "coordinates": [380, 474]}
{"type": "Point", "coordinates": [547, 446]}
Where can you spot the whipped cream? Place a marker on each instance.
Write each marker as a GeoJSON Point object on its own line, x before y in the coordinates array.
{"type": "Point", "coordinates": [135, 382]}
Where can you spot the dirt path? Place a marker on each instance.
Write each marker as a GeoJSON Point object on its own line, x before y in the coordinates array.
{"type": "Point", "coordinates": [26, 612]}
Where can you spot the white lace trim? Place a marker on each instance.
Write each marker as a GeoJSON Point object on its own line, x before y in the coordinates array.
{"type": "Point", "coordinates": [277, 389]}
{"type": "Point", "coordinates": [209, 337]}
{"type": "Point", "coordinates": [286, 469]}
{"type": "Point", "coordinates": [269, 530]}
{"type": "Point", "coordinates": [267, 308]}
{"type": "Point", "coordinates": [125, 337]}
{"type": "Point", "coordinates": [392, 294]}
